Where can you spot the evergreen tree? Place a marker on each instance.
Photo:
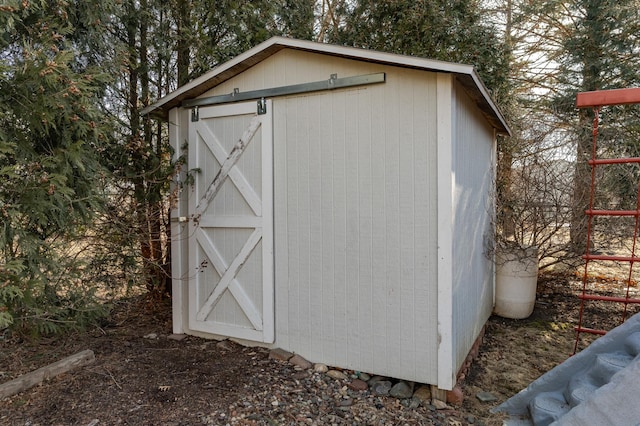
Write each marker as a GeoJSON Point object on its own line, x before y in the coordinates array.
{"type": "Point", "coordinates": [557, 49]}
{"type": "Point", "coordinates": [449, 30]}
{"type": "Point", "coordinates": [598, 50]}
{"type": "Point", "coordinates": [218, 34]}
{"type": "Point", "coordinates": [532, 191]}
{"type": "Point", "coordinates": [50, 138]}
{"type": "Point", "coordinates": [161, 46]}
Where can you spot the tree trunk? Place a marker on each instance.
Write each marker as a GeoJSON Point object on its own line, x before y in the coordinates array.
{"type": "Point", "coordinates": [151, 213]}
{"type": "Point", "coordinates": [504, 193]}
{"type": "Point", "coordinates": [183, 25]}
{"type": "Point", "coordinates": [135, 142]}
{"type": "Point", "coordinates": [591, 80]}
{"type": "Point", "coordinates": [581, 185]}
{"type": "Point", "coordinates": [506, 147]}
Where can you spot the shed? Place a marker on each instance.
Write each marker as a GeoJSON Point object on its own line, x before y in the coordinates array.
{"type": "Point", "coordinates": [336, 203]}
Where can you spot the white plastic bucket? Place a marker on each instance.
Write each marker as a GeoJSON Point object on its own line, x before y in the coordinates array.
{"type": "Point", "coordinates": [516, 282]}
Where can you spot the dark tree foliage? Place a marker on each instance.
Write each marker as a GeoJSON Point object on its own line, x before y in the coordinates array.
{"type": "Point", "coordinates": [218, 34]}
{"type": "Point", "coordinates": [599, 51]}
{"type": "Point", "coordinates": [85, 179]}
{"type": "Point", "coordinates": [50, 138]}
{"type": "Point", "coordinates": [296, 18]}
{"type": "Point", "coordinates": [449, 30]}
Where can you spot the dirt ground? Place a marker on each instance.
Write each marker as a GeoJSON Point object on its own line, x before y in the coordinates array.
{"type": "Point", "coordinates": [142, 377]}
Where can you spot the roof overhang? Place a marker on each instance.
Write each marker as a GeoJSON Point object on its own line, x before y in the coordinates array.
{"type": "Point", "coordinates": [466, 75]}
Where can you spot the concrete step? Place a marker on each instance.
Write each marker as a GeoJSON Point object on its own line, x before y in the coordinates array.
{"type": "Point", "coordinates": [572, 392]}
{"type": "Point", "coordinates": [547, 407]}
{"type": "Point", "coordinates": [608, 364]}
{"type": "Point", "coordinates": [578, 390]}
{"type": "Point", "coordinates": [632, 343]}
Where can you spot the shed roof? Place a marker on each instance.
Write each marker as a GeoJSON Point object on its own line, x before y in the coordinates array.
{"type": "Point", "coordinates": [465, 74]}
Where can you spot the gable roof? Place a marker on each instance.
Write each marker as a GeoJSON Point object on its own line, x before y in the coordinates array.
{"type": "Point", "coordinates": [465, 74]}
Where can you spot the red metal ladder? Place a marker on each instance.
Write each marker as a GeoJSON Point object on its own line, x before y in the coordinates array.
{"type": "Point", "coordinates": [596, 100]}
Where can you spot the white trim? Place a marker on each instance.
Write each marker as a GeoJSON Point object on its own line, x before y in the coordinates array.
{"type": "Point", "coordinates": [192, 265]}
{"type": "Point", "coordinates": [280, 226]}
{"type": "Point", "coordinates": [233, 332]}
{"type": "Point", "coordinates": [228, 110]}
{"type": "Point", "coordinates": [494, 162]}
{"type": "Point", "coordinates": [211, 221]}
{"type": "Point", "coordinates": [268, 268]}
{"type": "Point", "coordinates": [325, 48]}
{"type": "Point", "coordinates": [228, 275]}
{"type": "Point", "coordinates": [261, 325]}
{"type": "Point", "coordinates": [227, 167]}
{"type": "Point", "coordinates": [275, 44]}
{"type": "Point", "coordinates": [177, 241]}
{"type": "Point", "coordinates": [444, 95]}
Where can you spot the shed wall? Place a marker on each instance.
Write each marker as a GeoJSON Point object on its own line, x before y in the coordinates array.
{"type": "Point", "coordinates": [288, 67]}
{"type": "Point", "coordinates": [178, 135]}
{"type": "Point", "coordinates": [473, 149]}
{"type": "Point", "coordinates": [355, 224]}
{"type": "Point", "coordinates": [355, 199]}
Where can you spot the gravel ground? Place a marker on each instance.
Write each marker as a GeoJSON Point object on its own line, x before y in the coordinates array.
{"type": "Point", "coordinates": [143, 376]}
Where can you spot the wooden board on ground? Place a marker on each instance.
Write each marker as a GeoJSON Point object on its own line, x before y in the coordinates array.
{"type": "Point", "coordinates": [35, 377]}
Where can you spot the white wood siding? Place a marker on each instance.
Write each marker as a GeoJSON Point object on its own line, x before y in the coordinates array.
{"type": "Point", "coordinates": [379, 217]}
{"type": "Point", "coordinates": [289, 67]}
{"type": "Point", "coordinates": [473, 173]}
{"type": "Point", "coordinates": [355, 226]}
{"type": "Point", "coordinates": [230, 241]}
{"type": "Point", "coordinates": [444, 202]}
{"type": "Point", "coordinates": [178, 136]}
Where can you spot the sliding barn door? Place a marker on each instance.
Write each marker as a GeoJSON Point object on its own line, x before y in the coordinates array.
{"type": "Point", "coordinates": [231, 230]}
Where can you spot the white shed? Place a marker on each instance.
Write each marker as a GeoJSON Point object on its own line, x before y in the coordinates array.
{"type": "Point", "coordinates": [336, 203]}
